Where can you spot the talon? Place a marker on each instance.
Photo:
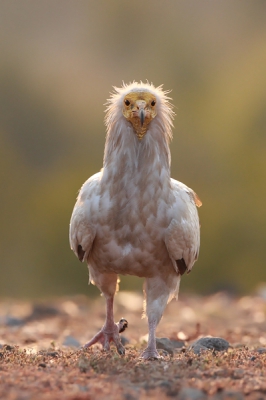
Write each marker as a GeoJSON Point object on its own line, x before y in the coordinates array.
{"type": "Point", "coordinates": [122, 325]}
{"type": "Point", "coordinates": [105, 337]}
{"type": "Point", "coordinates": [150, 355]}
{"type": "Point", "coordinates": [121, 351]}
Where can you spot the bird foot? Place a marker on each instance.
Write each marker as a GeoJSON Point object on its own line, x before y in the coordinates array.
{"type": "Point", "coordinates": [108, 335]}
{"type": "Point", "coordinates": [150, 354]}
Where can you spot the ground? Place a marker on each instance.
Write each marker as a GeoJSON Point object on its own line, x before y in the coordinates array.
{"type": "Point", "coordinates": [40, 356]}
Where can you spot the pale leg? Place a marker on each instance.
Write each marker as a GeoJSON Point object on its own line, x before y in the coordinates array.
{"type": "Point", "coordinates": [110, 331]}
{"type": "Point", "coordinates": [157, 293]}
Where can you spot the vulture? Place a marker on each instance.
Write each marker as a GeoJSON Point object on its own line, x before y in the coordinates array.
{"type": "Point", "coordinates": [132, 218]}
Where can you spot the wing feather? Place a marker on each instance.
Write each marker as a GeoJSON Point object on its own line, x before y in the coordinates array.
{"type": "Point", "coordinates": [183, 234]}
{"type": "Point", "coordinates": [82, 229]}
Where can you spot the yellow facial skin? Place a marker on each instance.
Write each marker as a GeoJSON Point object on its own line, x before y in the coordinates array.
{"type": "Point", "coordinates": [139, 108]}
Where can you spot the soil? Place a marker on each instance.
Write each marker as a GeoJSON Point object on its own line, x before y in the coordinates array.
{"type": "Point", "coordinates": [40, 355]}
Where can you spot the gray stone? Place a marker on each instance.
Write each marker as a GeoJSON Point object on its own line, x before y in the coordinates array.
{"type": "Point", "coordinates": [191, 394]}
{"type": "Point", "coordinates": [169, 345]}
{"type": "Point", "coordinates": [13, 321]}
{"type": "Point", "coordinates": [209, 343]}
{"type": "Point", "coordinates": [165, 344]}
{"type": "Point", "coordinates": [261, 350]}
{"type": "Point", "coordinates": [70, 341]}
{"type": "Point", "coordinates": [178, 344]}
{"type": "Point", "coordinates": [228, 395]}
{"type": "Point", "coordinates": [124, 340]}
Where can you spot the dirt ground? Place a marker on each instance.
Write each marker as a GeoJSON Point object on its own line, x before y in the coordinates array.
{"type": "Point", "coordinates": [40, 356]}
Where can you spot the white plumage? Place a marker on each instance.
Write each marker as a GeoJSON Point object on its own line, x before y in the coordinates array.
{"type": "Point", "coordinates": [131, 218]}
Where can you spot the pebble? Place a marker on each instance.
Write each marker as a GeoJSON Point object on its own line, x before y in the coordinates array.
{"type": "Point", "coordinates": [124, 340]}
{"type": "Point", "coordinates": [165, 344]}
{"type": "Point", "coordinates": [191, 394]}
{"type": "Point", "coordinates": [7, 347]}
{"type": "Point", "coordinates": [209, 343]}
{"type": "Point", "coordinates": [261, 350]}
{"type": "Point", "coordinates": [53, 354]}
{"type": "Point", "coordinates": [13, 321]}
{"type": "Point", "coordinates": [70, 341]}
{"type": "Point", "coordinates": [178, 344]}
{"type": "Point", "coordinates": [238, 373]}
{"type": "Point", "coordinates": [229, 395]}
{"type": "Point", "coordinates": [42, 311]}
{"type": "Point", "coordinates": [168, 345]}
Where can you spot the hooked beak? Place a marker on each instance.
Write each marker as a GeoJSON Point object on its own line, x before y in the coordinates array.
{"type": "Point", "coordinates": [139, 110]}
{"type": "Point", "coordinates": [141, 105]}
{"type": "Point", "coordinates": [142, 116]}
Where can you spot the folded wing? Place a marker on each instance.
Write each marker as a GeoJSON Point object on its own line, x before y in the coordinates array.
{"type": "Point", "coordinates": [183, 234]}
{"type": "Point", "coordinates": [82, 228]}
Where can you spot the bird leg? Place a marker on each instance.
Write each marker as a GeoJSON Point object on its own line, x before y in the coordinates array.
{"type": "Point", "coordinates": [157, 291]}
{"type": "Point", "coordinates": [110, 331]}
{"type": "Point", "coordinates": [151, 352]}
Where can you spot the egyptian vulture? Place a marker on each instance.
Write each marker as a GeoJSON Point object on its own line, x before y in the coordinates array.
{"type": "Point", "coordinates": [132, 218]}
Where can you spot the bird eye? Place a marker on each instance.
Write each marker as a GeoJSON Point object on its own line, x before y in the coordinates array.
{"type": "Point", "coordinates": [153, 103]}
{"type": "Point", "coordinates": [127, 102]}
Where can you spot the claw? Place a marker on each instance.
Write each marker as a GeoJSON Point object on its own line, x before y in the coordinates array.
{"type": "Point", "coordinates": [150, 355]}
{"type": "Point", "coordinates": [120, 350]}
{"type": "Point", "coordinates": [106, 337]}
{"type": "Point", "coordinates": [122, 325]}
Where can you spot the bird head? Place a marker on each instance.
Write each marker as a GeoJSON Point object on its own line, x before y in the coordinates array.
{"type": "Point", "coordinates": [137, 105]}
{"type": "Point", "coordinates": [139, 108]}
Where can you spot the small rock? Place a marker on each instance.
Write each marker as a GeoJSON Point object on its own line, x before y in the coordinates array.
{"type": "Point", "coordinates": [164, 384]}
{"type": "Point", "coordinates": [82, 388]}
{"type": "Point", "coordinates": [53, 354]}
{"type": "Point", "coordinates": [12, 321]}
{"type": "Point", "coordinates": [129, 396]}
{"type": "Point", "coordinates": [221, 373]}
{"type": "Point", "coordinates": [238, 373]}
{"type": "Point", "coordinates": [191, 394]}
{"type": "Point", "coordinates": [261, 350]}
{"type": "Point", "coordinates": [229, 395]}
{"type": "Point", "coordinates": [124, 340]}
{"type": "Point", "coordinates": [30, 340]}
{"type": "Point", "coordinates": [209, 343]}
{"type": "Point", "coordinates": [177, 344]}
{"type": "Point", "coordinates": [197, 348]}
{"type": "Point", "coordinates": [165, 344]}
{"type": "Point", "coordinates": [70, 341]}
{"type": "Point", "coordinates": [7, 347]}
{"type": "Point", "coordinates": [41, 311]}
{"type": "Point", "coordinates": [42, 365]}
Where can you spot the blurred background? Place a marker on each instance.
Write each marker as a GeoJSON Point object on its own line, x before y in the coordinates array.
{"type": "Point", "coordinates": [58, 62]}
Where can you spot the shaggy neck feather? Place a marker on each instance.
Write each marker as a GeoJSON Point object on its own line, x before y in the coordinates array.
{"type": "Point", "coordinates": [127, 156]}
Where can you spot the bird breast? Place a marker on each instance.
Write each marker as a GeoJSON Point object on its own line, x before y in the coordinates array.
{"type": "Point", "coordinates": [130, 227]}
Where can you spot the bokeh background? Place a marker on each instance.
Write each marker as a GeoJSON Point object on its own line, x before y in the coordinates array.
{"type": "Point", "coordinates": [58, 62]}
